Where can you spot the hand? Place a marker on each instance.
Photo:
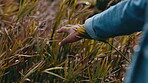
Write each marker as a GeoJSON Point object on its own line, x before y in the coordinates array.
{"type": "Point", "coordinates": [73, 34]}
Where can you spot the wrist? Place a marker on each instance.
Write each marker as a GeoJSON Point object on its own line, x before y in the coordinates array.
{"type": "Point", "coordinates": [82, 32]}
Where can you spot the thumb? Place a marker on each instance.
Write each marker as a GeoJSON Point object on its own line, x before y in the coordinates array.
{"type": "Point", "coordinates": [63, 29]}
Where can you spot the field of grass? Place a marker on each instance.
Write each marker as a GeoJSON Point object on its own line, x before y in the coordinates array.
{"type": "Point", "coordinates": [29, 50]}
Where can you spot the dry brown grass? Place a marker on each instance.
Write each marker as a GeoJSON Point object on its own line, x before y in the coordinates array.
{"type": "Point", "coordinates": [29, 50]}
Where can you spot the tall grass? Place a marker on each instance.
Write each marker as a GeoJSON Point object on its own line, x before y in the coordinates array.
{"type": "Point", "coordinates": [29, 50]}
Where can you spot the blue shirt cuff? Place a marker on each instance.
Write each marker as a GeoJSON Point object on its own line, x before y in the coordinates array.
{"type": "Point", "coordinates": [89, 29]}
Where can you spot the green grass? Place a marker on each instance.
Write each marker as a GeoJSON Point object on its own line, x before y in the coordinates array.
{"type": "Point", "coordinates": [29, 50]}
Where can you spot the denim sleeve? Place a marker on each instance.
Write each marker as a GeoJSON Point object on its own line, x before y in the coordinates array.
{"type": "Point", "coordinates": [124, 18]}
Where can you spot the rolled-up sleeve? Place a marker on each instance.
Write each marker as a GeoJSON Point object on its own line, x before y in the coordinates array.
{"type": "Point", "coordinates": [124, 18]}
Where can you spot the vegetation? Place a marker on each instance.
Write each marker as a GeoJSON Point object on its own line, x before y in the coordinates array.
{"type": "Point", "coordinates": [29, 50]}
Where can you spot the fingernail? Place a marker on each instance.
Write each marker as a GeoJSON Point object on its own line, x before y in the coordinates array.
{"type": "Point", "coordinates": [59, 43]}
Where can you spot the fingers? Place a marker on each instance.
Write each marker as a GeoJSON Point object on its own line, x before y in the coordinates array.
{"type": "Point", "coordinates": [73, 35]}
{"type": "Point", "coordinates": [63, 29]}
{"type": "Point", "coordinates": [69, 39]}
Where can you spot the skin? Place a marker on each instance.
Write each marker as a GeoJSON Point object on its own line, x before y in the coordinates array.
{"type": "Point", "coordinates": [73, 35]}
